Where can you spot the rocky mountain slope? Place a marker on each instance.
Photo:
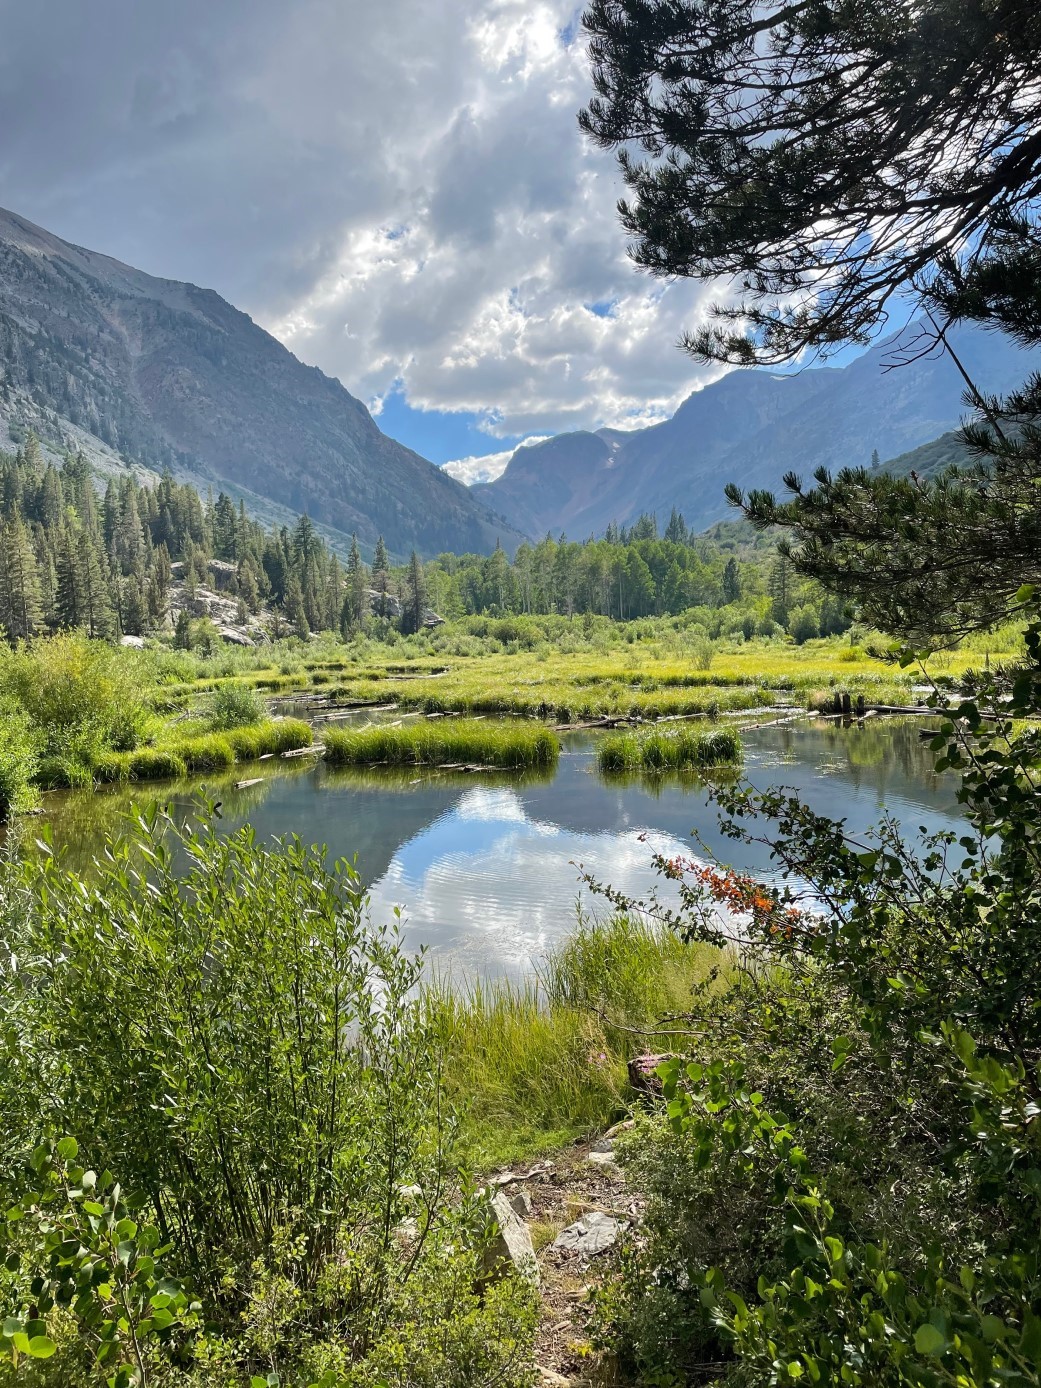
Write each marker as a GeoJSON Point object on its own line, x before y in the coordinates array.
{"type": "Point", "coordinates": [167, 374]}
{"type": "Point", "coordinates": [750, 427]}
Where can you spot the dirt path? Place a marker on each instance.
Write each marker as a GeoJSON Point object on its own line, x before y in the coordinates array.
{"type": "Point", "coordinates": [581, 1181]}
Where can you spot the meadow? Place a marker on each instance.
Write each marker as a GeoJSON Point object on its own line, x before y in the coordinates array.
{"type": "Point", "coordinates": [76, 713]}
{"type": "Point", "coordinates": [581, 670]}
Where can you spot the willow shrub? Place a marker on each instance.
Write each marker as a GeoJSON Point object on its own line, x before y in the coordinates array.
{"type": "Point", "coordinates": [19, 762]}
{"type": "Point", "coordinates": [82, 697]}
{"type": "Point", "coordinates": [216, 1022]}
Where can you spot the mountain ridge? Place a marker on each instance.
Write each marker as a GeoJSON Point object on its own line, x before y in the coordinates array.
{"type": "Point", "coordinates": [171, 375]}
{"type": "Point", "coordinates": [750, 427]}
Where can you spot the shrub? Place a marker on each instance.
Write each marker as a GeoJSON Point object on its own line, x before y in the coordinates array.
{"type": "Point", "coordinates": [82, 698]}
{"type": "Point", "coordinates": [845, 1185]}
{"type": "Point", "coordinates": [19, 762]}
{"type": "Point", "coordinates": [231, 1035]}
{"type": "Point", "coordinates": [234, 705]}
{"type": "Point", "coordinates": [804, 624]}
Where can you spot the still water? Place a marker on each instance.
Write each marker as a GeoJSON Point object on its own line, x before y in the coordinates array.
{"type": "Point", "coordinates": [486, 868]}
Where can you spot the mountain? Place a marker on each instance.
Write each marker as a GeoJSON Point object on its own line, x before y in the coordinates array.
{"type": "Point", "coordinates": [170, 375]}
{"type": "Point", "coordinates": [749, 427]}
{"type": "Point", "coordinates": [932, 457]}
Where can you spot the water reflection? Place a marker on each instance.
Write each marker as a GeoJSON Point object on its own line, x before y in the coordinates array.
{"type": "Point", "coordinates": [484, 867]}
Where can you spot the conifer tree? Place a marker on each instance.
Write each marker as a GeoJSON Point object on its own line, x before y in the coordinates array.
{"type": "Point", "coordinates": [21, 611]}
{"type": "Point", "coordinates": [380, 578]}
{"type": "Point", "coordinates": [414, 596]}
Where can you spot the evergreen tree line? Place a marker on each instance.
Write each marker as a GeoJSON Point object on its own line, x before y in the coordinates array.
{"type": "Point", "coordinates": [106, 564]}
{"type": "Point", "coordinates": [635, 573]}
{"type": "Point", "coordinates": [73, 559]}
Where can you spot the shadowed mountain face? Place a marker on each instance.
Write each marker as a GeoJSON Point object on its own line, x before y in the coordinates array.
{"type": "Point", "coordinates": [750, 427]}
{"type": "Point", "coordinates": [172, 375]}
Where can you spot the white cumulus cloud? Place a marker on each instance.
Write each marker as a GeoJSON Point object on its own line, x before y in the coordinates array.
{"type": "Point", "coordinates": [399, 191]}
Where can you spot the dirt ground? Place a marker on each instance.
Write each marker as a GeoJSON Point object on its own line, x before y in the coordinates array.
{"type": "Point", "coordinates": [582, 1179]}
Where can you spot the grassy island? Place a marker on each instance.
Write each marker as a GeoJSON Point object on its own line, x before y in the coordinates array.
{"type": "Point", "coordinates": [677, 750]}
{"type": "Point", "coordinates": [444, 742]}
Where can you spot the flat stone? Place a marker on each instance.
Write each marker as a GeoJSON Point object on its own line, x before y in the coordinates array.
{"type": "Point", "coordinates": [511, 1244]}
{"type": "Point", "coordinates": [599, 1158]}
{"type": "Point", "coordinates": [591, 1233]}
{"type": "Point", "coordinates": [549, 1379]}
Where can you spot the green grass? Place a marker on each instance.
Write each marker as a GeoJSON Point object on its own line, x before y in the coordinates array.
{"type": "Point", "coordinates": [674, 750]}
{"type": "Point", "coordinates": [443, 742]}
{"type": "Point", "coordinates": [541, 1063]}
{"type": "Point", "coordinates": [205, 754]}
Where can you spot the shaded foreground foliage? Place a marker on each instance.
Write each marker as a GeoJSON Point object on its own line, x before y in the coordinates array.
{"type": "Point", "coordinates": [847, 1184]}
{"type": "Point", "coordinates": [220, 1026]}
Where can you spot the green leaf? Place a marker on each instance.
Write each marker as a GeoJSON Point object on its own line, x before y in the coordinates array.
{"type": "Point", "coordinates": [41, 1347]}
{"type": "Point", "coordinates": [929, 1340]}
{"type": "Point", "coordinates": [68, 1148]}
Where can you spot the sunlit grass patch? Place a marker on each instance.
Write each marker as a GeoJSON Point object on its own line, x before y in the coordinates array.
{"type": "Point", "coordinates": [540, 1063]}
{"type": "Point", "coordinates": [673, 750]}
{"type": "Point", "coordinates": [444, 742]}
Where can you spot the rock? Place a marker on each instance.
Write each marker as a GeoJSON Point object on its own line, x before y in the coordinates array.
{"type": "Point", "coordinates": [549, 1379]}
{"type": "Point", "coordinates": [598, 1158]}
{"type": "Point", "coordinates": [511, 1243]}
{"type": "Point", "coordinates": [641, 1074]}
{"type": "Point", "coordinates": [521, 1202]}
{"type": "Point", "coordinates": [590, 1234]}
{"type": "Point", "coordinates": [235, 636]}
{"type": "Point", "coordinates": [411, 1192]}
{"type": "Point", "coordinates": [136, 643]}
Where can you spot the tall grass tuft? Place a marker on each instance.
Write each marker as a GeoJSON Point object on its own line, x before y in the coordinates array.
{"type": "Point", "coordinates": [668, 751]}
{"type": "Point", "coordinates": [443, 743]}
{"type": "Point", "coordinates": [542, 1062]}
{"type": "Point", "coordinates": [203, 754]}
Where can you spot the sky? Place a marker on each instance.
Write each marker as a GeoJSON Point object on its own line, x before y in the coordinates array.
{"type": "Point", "coordinates": [398, 190]}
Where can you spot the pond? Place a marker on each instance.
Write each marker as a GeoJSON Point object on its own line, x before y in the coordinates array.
{"type": "Point", "coordinates": [485, 868]}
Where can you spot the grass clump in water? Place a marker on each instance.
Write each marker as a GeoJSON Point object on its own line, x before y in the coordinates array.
{"type": "Point", "coordinates": [668, 751]}
{"type": "Point", "coordinates": [204, 754]}
{"type": "Point", "coordinates": [462, 741]}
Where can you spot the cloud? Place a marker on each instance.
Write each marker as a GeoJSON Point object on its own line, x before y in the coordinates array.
{"type": "Point", "coordinates": [398, 191]}
{"type": "Point", "coordinates": [487, 467]}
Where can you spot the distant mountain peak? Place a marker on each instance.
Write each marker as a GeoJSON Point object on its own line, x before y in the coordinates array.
{"type": "Point", "coordinates": [750, 427]}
